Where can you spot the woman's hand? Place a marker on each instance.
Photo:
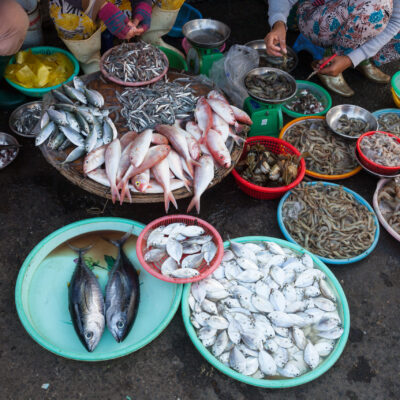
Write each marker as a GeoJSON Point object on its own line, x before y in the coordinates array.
{"type": "Point", "coordinates": [336, 66]}
{"type": "Point", "coordinates": [276, 40]}
{"type": "Point", "coordinates": [133, 29]}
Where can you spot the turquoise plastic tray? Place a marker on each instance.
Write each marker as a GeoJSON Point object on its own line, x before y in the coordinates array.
{"type": "Point", "coordinates": [41, 296]}
{"type": "Point", "coordinates": [39, 92]}
{"type": "Point", "coordinates": [330, 260]}
{"type": "Point", "coordinates": [344, 313]}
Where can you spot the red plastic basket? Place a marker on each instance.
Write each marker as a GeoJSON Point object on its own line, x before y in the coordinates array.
{"type": "Point", "coordinates": [155, 268]}
{"type": "Point", "coordinates": [374, 167]}
{"type": "Point", "coordinates": [276, 146]}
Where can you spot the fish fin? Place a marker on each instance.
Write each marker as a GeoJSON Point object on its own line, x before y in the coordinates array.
{"type": "Point", "coordinates": [187, 184]}
{"type": "Point", "coordinates": [123, 185]}
{"type": "Point", "coordinates": [238, 140]}
{"type": "Point", "coordinates": [115, 193]}
{"type": "Point", "coordinates": [80, 250]}
{"type": "Point", "coordinates": [120, 242]}
{"type": "Point", "coordinates": [172, 198]}
{"type": "Point", "coordinates": [195, 202]}
{"type": "Point", "coordinates": [190, 163]}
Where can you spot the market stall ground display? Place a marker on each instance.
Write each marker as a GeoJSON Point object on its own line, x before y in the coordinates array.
{"type": "Point", "coordinates": [210, 131]}
{"type": "Point", "coordinates": [45, 278]}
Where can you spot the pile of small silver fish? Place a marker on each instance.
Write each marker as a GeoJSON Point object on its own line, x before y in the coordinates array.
{"type": "Point", "coordinates": [76, 119]}
{"type": "Point", "coordinates": [328, 221]}
{"type": "Point", "coordinates": [265, 168]}
{"type": "Point", "coordinates": [328, 154]}
{"type": "Point", "coordinates": [269, 86]}
{"type": "Point", "coordinates": [285, 63]}
{"type": "Point", "coordinates": [390, 122]}
{"type": "Point", "coordinates": [27, 120]}
{"type": "Point", "coordinates": [266, 312]}
{"type": "Point", "coordinates": [180, 157]}
{"type": "Point", "coordinates": [181, 250]}
{"type": "Point", "coordinates": [135, 62]}
{"type": "Point", "coordinates": [381, 149]}
{"type": "Point", "coordinates": [389, 203]}
{"type": "Point", "coordinates": [305, 103]}
{"type": "Point", "coordinates": [354, 127]}
{"type": "Point", "coordinates": [90, 313]}
{"type": "Point", "coordinates": [7, 154]}
{"type": "Point", "coordinates": [160, 103]}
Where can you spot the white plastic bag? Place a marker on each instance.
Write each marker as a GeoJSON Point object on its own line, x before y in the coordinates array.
{"type": "Point", "coordinates": [228, 73]}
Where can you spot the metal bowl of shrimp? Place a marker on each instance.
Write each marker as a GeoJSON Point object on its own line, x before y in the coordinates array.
{"type": "Point", "coordinates": [350, 121]}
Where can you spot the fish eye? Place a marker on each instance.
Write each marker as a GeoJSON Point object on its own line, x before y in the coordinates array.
{"type": "Point", "coordinates": [120, 324]}
{"type": "Point", "coordinates": [89, 335]}
{"type": "Point", "coordinates": [137, 183]}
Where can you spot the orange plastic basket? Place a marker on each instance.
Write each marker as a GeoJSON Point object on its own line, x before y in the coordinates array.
{"type": "Point", "coordinates": [155, 268]}
{"type": "Point", "coordinates": [316, 174]}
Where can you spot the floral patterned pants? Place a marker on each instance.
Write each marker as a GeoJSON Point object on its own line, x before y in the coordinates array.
{"type": "Point", "coordinates": [345, 25]}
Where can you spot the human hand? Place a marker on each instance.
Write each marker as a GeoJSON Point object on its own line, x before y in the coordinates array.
{"type": "Point", "coordinates": [276, 40]}
{"type": "Point", "coordinates": [336, 66]}
{"type": "Point", "coordinates": [133, 29]}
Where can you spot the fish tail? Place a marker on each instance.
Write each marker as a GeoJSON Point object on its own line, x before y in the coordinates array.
{"type": "Point", "coordinates": [187, 184]}
{"type": "Point", "coordinates": [120, 242]}
{"type": "Point", "coordinates": [114, 193]}
{"type": "Point", "coordinates": [172, 198]}
{"type": "Point", "coordinates": [238, 140]}
{"type": "Point", "coordinates": [80, 250]}
{"type": "Point", "coordinates": [123, 186]}
{"type": "Point", "coordinates": [195, 202]}
{"type": "Point", "coordinates": [190, 164]}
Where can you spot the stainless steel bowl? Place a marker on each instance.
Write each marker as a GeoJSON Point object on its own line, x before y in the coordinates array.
{"type": "Point", "coordinates": [351, 111]}
{"type": "Point", "coordinates": [265, 70]}
{"type": "Point", "coordinates": [372, 172]}
{"type": "Point", "coordinates": [260, 46]}
{"type": "Point", "coordinates": [16, 115]}
{"type": "Point", "coordinates": [206, 33]}
{"type": "Point", "coordinates": [5, 138]}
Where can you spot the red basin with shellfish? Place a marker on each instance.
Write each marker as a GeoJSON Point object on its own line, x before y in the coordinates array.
{"type": "Point", "coordinates": [276, 146]}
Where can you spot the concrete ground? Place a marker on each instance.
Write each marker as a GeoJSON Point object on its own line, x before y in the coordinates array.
{"type": "Point", "coordinates": [35, 200]}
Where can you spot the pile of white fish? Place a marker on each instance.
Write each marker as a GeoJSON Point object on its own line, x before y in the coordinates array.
{"type": "Point", "coordinates": [180, 157]}
{"type": "Point", "coordinates": [76, 119]}
{"type": "Point", "coordinates": [266, 311]}
{"type": "Point", "coordinates": [180, 249]}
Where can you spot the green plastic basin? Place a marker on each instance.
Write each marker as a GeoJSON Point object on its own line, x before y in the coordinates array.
{"type": "Point", "coordinates": [318, 91]}
{"type": "Point", "coordinates": [175, 59]}
{"type": "Point", "coordinates": [277, 383]}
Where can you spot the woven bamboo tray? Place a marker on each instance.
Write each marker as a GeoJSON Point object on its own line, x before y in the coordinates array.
{"type": "Point", "coordinates": [74, 171]}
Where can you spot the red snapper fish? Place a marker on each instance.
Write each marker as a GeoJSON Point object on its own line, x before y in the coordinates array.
{"type": "Point", "coordinates": [112, 158]}
{"type": "Point", "coordinates": [203, 116]}
{"type": "Point", "coordinates": [218, 149]}
{"type": "Point", "coordinates": [203, 175]}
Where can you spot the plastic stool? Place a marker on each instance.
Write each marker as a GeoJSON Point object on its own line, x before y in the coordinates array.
{"type": "Point", "coordinates": [302, 43]}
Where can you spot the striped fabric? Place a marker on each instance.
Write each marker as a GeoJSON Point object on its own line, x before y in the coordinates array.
{"type": "Point", "coordinates": [115, 20]}
{"type": "Point", "coordinates": [142, 13]}
{"type": "Point", "coordinates": [318, 3]}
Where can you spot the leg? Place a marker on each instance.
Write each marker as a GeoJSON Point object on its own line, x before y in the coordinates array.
{"type": "Point", "coordinates": [14, 23]}
{"type": "Point", "coordinates": [344, 25]}
{"type": "Point", "coordinates": [389, 52]}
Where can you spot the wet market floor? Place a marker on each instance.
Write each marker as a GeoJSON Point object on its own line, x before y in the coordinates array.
{"type": "Point", "coordinates": [35, 200]}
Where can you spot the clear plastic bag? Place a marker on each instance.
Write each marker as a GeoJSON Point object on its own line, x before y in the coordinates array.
{"type": "Point", "coordinates": [228, 73]}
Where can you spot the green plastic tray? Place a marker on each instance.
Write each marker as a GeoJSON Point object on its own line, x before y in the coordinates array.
{"type": "Point", "coordinates": [41, 296]}
{"type": "Point", "coordinates": [322, 95]}
{"type": "Point", "coordinates": [276, 383]}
